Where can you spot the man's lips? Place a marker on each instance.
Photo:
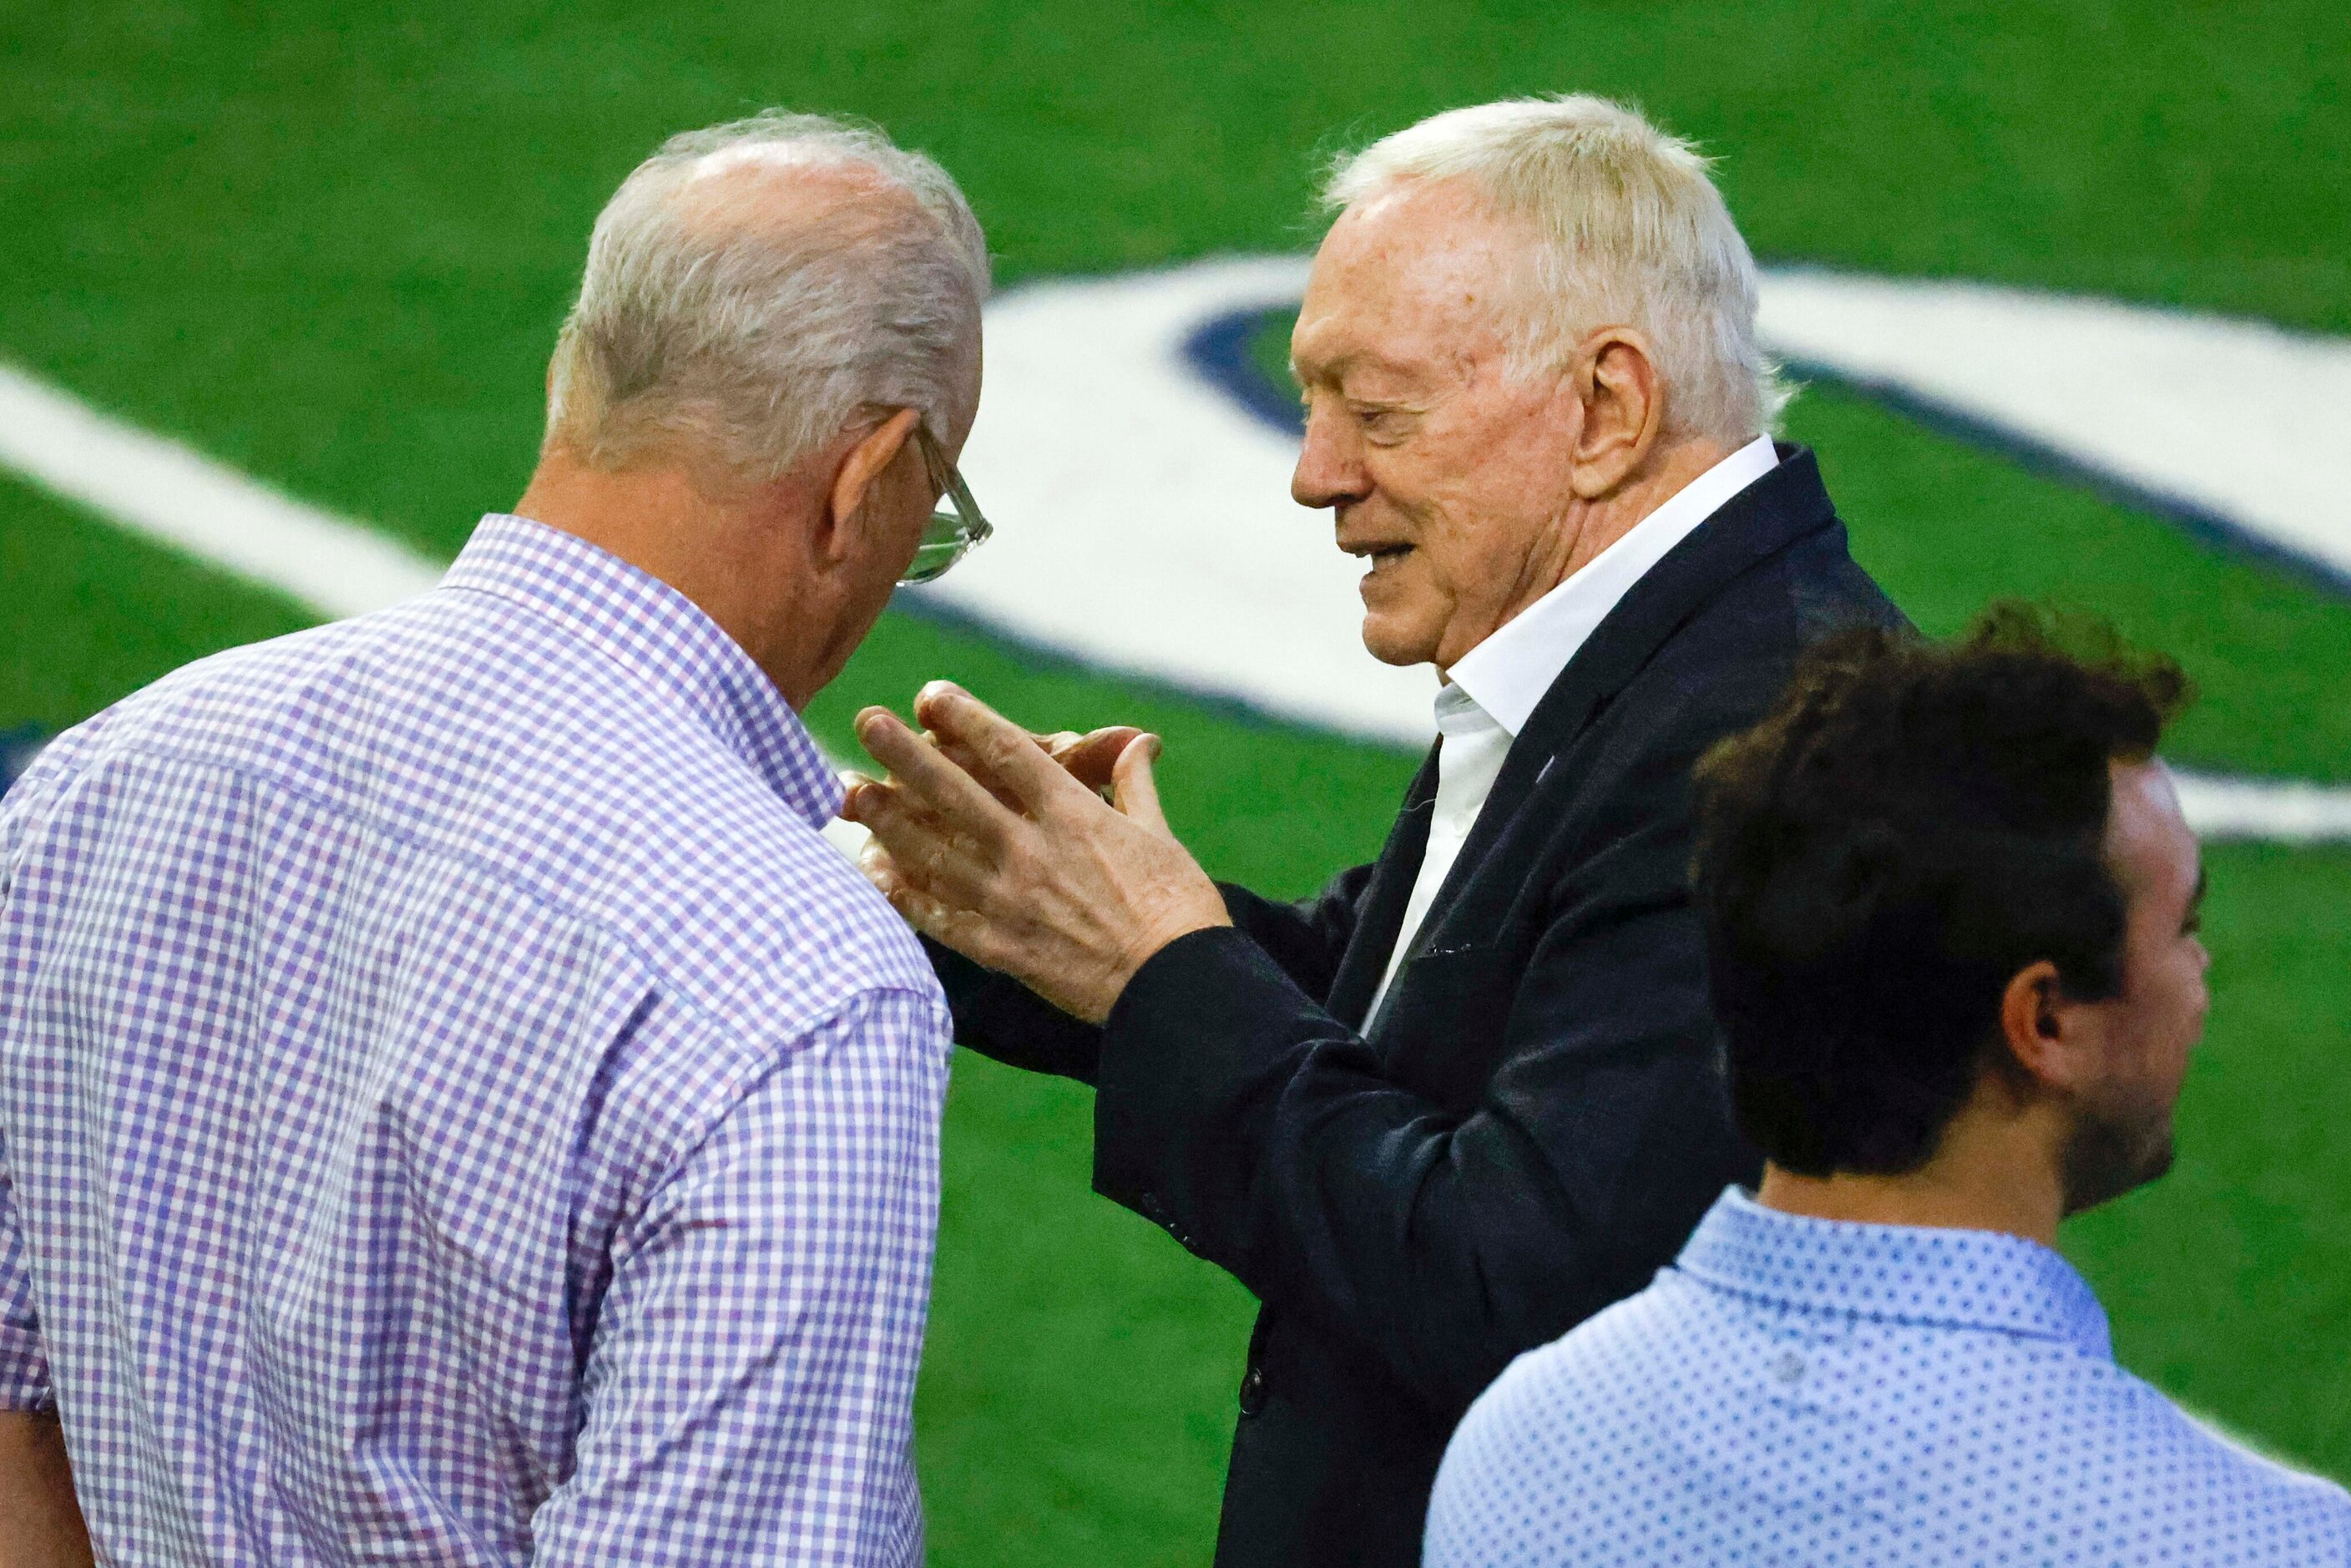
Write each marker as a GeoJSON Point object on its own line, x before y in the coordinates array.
{"type": "Point", "coordinates": [1377, 551]}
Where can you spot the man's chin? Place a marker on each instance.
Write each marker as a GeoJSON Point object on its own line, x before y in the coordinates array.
{"type": "Point", "coordinates": [2106, 1159]}
{"type": "Point", "coordinates": [1393, 644]}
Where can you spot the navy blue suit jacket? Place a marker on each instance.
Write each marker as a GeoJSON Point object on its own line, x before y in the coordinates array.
{"type": "Point", "coordinates": [1537, 1119]}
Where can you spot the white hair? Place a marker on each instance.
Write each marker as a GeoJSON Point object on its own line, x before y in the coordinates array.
{"type": "Point", "coordinates": [722, 328]}
{"type": "Point", "coordinates": [1629, 230]}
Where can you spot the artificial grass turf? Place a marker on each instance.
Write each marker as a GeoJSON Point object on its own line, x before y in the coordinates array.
{"type": "Point", "coordinates": [331, 243]}
{"type": "Point", "coordinates": [88, 613]}
{"type": "Point", "coordinates": [1077, 1399]}
{"type": "Point", "coordinates": [1947, 527]}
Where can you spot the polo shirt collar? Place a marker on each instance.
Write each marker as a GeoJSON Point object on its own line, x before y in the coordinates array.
{"type": "Point", "coordinates": [661, 636]}
{"type": "Point", "coordinates": [1508, 674]}
{"type": "Point", "coordinates": [1898, 1273]}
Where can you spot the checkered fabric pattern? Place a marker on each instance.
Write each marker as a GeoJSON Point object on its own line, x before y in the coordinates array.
{"type": "Point", "coordinates": [1805, 1392]}
{"type": "Point", "coordinates": [453, 1105]}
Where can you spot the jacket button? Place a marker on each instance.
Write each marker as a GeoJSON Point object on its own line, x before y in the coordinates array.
{"type": "Point", "coordinates": [1253, 1391]}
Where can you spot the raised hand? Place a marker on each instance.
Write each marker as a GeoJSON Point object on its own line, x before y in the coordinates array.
{"type": "Point", "coordinates": [1000, 844]}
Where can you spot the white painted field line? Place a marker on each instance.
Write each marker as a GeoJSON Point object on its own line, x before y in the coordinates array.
{"type": "Point", "coordinates": [2103, 383]}
{"type": "Point", "coordinates": [179, 498]}
{"type": "Point", "coordinates": [2218, 807]}
{"type": "Point", "coordinates": [336, 567]}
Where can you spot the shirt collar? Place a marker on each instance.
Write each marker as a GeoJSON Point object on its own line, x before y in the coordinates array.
{"type": "Point", "coordinates": [1903, 1273]}
{"type": "Point", "coordinates": [1459, 716]}
{"type": "Point", "coordinates": [659, 635]}
{"type": "Point", "coordinates": [1508, 674]}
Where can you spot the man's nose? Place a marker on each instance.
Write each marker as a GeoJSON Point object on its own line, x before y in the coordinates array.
{"type": "Point", "coordinates": [1330, 470]}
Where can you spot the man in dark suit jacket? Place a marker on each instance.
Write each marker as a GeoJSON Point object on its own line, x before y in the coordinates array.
{"type": "Point", "coordinates": [1469, 1095]}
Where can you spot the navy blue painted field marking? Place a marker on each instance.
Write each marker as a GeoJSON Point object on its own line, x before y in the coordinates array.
{"type": "Point", "coordinates": [1217, 350]}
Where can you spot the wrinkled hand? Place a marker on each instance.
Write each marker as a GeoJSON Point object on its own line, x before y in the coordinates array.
{"type": "Point", "coordinates": [1000, 844]}
{"type": "Point", "coordinates": [1087, 758]}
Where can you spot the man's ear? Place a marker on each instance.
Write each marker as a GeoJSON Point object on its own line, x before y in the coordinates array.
{"type": "Point", "coordinates": [2045, 1033]}
{"type": "Point", "coordinates": [861, 468]}
{"type": "Point", "coordinates": [1615, 376]}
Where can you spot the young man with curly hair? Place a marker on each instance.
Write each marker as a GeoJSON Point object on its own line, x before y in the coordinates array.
{"type": "Point", "coordinates": [1950, 906]}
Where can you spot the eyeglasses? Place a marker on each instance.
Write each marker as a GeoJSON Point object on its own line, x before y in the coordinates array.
{"type": "Point", "coordinates": [956, 525]}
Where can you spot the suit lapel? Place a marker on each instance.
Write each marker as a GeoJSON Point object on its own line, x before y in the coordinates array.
{"type": "Point", "coordinates": [1381, 916]}
{"type": "Point", "coordinates": [1761, 521]}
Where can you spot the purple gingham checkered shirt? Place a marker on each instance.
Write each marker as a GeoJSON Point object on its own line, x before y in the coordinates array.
{"type": "Point", "coordinates": [454, 1106]}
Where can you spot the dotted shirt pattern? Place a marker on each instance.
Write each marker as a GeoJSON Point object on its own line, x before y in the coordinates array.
{"type": "Point", "coordinates": [1798, 1391]}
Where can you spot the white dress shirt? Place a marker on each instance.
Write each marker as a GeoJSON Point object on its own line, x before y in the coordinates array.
{"type": "Point", "coordinates": [1492, 692]}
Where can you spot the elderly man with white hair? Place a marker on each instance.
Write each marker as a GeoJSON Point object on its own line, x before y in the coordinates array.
{"type": "Point", "coordinates": [1470, 1095]}
{"type": "Point", "coordinates": [456, 1105]}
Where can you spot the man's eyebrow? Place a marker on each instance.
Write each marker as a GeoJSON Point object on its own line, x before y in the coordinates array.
{"type": "Point", "coordinates": [1336, 367]}
{"type": "Point", "coordinates": [2203, 879]}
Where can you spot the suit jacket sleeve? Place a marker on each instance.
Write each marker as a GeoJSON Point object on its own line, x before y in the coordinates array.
{"type": "Point", "coordinates": [1000, 1017]}
{"type": "Point", "coordinates": [1265, 1136]}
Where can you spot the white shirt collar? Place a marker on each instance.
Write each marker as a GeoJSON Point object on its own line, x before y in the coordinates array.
{"type": "Point", "coordinates": [1508, 674]}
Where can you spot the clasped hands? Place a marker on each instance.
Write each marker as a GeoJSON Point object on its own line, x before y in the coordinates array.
{"type": "Point", "coordinates": [1000, 844]}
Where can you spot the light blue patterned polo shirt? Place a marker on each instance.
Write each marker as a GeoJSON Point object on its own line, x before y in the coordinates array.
{"type": "Point", "coordinates": [1797, 1390]}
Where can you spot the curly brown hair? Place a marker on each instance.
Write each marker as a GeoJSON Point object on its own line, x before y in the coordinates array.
{"type": "Point", "coordinates": [1910, 826]}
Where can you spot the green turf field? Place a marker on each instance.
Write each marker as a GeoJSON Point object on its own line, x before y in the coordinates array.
{"type": "Point", "coordinates": [329, 244]}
